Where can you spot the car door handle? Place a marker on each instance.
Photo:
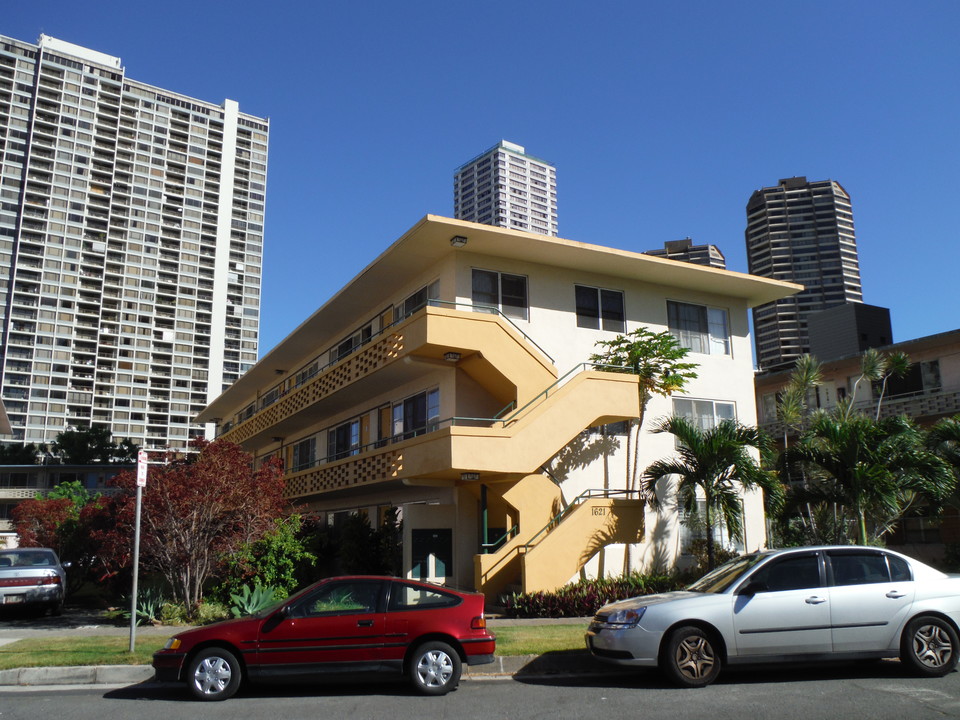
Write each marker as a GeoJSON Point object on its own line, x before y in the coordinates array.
{"type": "Point", "coordinates": [364, 623]}
{"type": "Point", "coordinates": [815, 600]}
{"type": "Point", "coordinates": [894, 595]}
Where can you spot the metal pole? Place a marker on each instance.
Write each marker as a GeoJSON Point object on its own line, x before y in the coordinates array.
{"type": "Point", "coordinates": [484, 519]}
{"type": "Point", "coordinates": [136, 572]}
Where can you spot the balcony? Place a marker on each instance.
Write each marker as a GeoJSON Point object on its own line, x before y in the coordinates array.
{"type": "Point", "coordinates": [516, 444]}
{"type": "Point", "coordinates": [924, 407]}
{"type": "Point", "coordinates": [511, 368]}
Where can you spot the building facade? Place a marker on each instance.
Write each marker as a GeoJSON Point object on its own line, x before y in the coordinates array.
{"type": "Point", "coordinates": [800, 232]}
{"type": "Point", "coordinates": [685, 251]}
{"type": "Point", "coordinates": [450, 379]}
{"type": "Point", "coordinates": [929, 392]}
{"type": "Point", "coordinates": [506, 187]}
{"type": "Point", "coordinates": [131, 238]}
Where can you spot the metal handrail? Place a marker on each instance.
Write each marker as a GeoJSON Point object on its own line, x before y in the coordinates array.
{"type": "Point", "coordinates": [262, 404]}
{"type": "Point", "coordinates": [455, 421]}
{"type": "Point", "coordinates": [490, 547]}
{"type": "Point", "coordinates": [493, 310]}
{"type": "Point", "coordinates": [580, 367]}
{"type": "Point", "coordinates": [578, 500]}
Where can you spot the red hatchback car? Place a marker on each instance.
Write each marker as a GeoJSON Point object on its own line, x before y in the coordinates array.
{"type": "Point", "coordinates": [339, 625]}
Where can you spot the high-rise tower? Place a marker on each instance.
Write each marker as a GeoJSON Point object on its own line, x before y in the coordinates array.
{"type": "Point", "coordinates": [131, 241]}
{"type": "Point", "coordinates": [801, 232]}
{"type": "Point", "coordinates": [506, 187]}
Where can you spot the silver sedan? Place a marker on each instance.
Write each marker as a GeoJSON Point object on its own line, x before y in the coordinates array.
{"type": "Point", "coordinates": [34, 577]}
{"type": "Point", "coordinates": [801, 604]}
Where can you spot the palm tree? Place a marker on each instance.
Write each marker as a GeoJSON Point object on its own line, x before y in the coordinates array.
{"type": "Point", "coordinates": [944, 439]}
{"type": "Point", "coordinates": [896, 365]}
{"type": "Point", "coordinates": [875, 470]}
{"type": "Point", "coordinates": [716, 463]}
{"type": "Point", "coordinates": [872, 366]}
{"type": "Point", "coordinates": [659, 361]}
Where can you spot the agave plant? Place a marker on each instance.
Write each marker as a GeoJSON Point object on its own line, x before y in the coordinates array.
{"type": "Point", "coordinates": [249, 601]}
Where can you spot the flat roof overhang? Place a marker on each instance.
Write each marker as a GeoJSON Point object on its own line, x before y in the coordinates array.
{"type": "Point", "coordinates": [428, 241]}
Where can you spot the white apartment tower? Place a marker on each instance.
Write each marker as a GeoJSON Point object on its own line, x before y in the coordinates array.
{"type": "Point", "coordinates": [506, 187]}
{"type": "Point", "coordinates": [131, 239]}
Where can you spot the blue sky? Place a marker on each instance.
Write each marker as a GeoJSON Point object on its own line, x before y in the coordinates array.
{"type": "Point", "coordinates": [662, 119]}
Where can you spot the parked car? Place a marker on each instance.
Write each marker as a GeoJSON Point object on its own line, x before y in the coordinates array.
{"type": "Point", "coordinates": [348, 625]}
{"type": "Point", "coordinates": [32, 577]}
{"type": "Point", "coordinates": [818, 603]}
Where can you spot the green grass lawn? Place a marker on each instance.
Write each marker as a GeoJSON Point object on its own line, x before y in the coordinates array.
{"type": "Point", "coordinates": [60, 651]}
{"type": "Point", "coordinates": [65, 651]}
{"type": "Point", "coordinates": [539, 639]}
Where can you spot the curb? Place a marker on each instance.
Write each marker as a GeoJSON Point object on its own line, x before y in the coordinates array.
{"type": "Point", "coordinates": [80, 675]}
{"type": "Point", "coordinates": [503, 666]}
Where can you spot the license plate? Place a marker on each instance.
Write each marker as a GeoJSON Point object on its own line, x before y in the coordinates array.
{"type": "Point", "coordinates": [12, 599]}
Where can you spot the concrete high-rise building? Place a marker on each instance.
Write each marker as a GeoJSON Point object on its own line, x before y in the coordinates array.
{"type": "Point", "coordinates": [800, 232]}
{"type": "Point", "coordinates": [131, 238]}
{"type": "Point", "coordinates": [506, 187]}
{"type": "Point", "coordinates": [685, 251]}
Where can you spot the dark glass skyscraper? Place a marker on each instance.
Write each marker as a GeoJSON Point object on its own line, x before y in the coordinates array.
{"type": "Point", "coordinates": [800, 232]}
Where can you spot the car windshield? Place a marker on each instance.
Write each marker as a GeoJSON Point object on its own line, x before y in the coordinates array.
{"type": "Point", "coordinates": [721, 578]}
{"type": "Point", "coordinates": [26, 558]}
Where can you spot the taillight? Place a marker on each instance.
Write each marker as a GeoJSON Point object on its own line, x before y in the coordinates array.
{"type": "Point", "coordinates": [478, 623]}
{"type": "Point", "coordinates": [30, 581]}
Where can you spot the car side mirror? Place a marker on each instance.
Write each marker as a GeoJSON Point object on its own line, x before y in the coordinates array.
{"type": "Point", "coordinates": [752, 588]}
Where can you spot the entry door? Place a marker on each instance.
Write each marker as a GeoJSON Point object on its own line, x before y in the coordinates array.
{"type": "Point", "coordinates": [788, 612]}
{"type": "Point", "coordinates": [431, 554]}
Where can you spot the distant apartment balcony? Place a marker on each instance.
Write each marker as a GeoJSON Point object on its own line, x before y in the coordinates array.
{"type": "Point", "coordinates": [923, 407]}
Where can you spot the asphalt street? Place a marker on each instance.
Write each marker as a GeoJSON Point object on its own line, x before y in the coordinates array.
{"type": "Point", "coordinates": [878, 691]}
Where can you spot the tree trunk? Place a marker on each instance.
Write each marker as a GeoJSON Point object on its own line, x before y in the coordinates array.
{"type": "Point", "coordinates": [711, 555]}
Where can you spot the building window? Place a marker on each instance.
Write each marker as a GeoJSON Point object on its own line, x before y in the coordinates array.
{"type": "Point", "coordinates": [702, 329]}
{"type": "Point", "coordinates": [598, 308]}
{"type": "Point", "coordinates": [705, 414]}
{"type": "Point", "coordinates": [343, 440]}
{"type": "Point", "coordinates": [416, 415]}
{"type": "Point", "coordinates": [304, 454]}
{"type": "Point", "coordinates": [508, 293]}
{"type": "Point", "coordinates": [420, 298]}
{"type": "Point", "coordinates": [693, 528]}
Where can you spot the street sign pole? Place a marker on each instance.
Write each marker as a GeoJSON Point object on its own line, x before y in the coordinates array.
{"type": "Point", "coordinates": [141, 483]}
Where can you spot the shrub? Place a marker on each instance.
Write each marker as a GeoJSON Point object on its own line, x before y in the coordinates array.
{"type": "Point", "coordinates": [269, 562]}
{"type": "Point", "coordinates": [584, 598]}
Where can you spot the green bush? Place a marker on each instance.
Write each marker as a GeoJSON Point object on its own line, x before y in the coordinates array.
{"type": "Point", "coordinates": [584, 598]}
{"type": "Point", "coordinates": [270, 562]}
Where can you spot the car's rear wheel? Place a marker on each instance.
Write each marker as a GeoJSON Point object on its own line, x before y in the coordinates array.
{"type": "Point", "coordinates": [435, 668]}
{"type": "Point", "coordinates": [214, 674]}
{"type": "Point", "coordinates": [57, 608]}
{"type": "Point", "coordinates": [929, 646]}
{"type": "Point", "coordinates": [690, 657]}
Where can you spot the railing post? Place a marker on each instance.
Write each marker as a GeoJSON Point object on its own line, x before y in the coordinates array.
{"type": "Point", "coordinates": [484, 520]}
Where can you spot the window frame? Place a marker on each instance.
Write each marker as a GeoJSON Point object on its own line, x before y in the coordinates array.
{"type": "Point", "coordinates": [705, 339]}
{"type": "Point", "coordinates": [601, 316]}
{"type": "Point", "coordinates": [510, 310]}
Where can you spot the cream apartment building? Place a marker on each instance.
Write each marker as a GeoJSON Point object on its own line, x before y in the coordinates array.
{"type": "Point", "coordinates": [450, 379]}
